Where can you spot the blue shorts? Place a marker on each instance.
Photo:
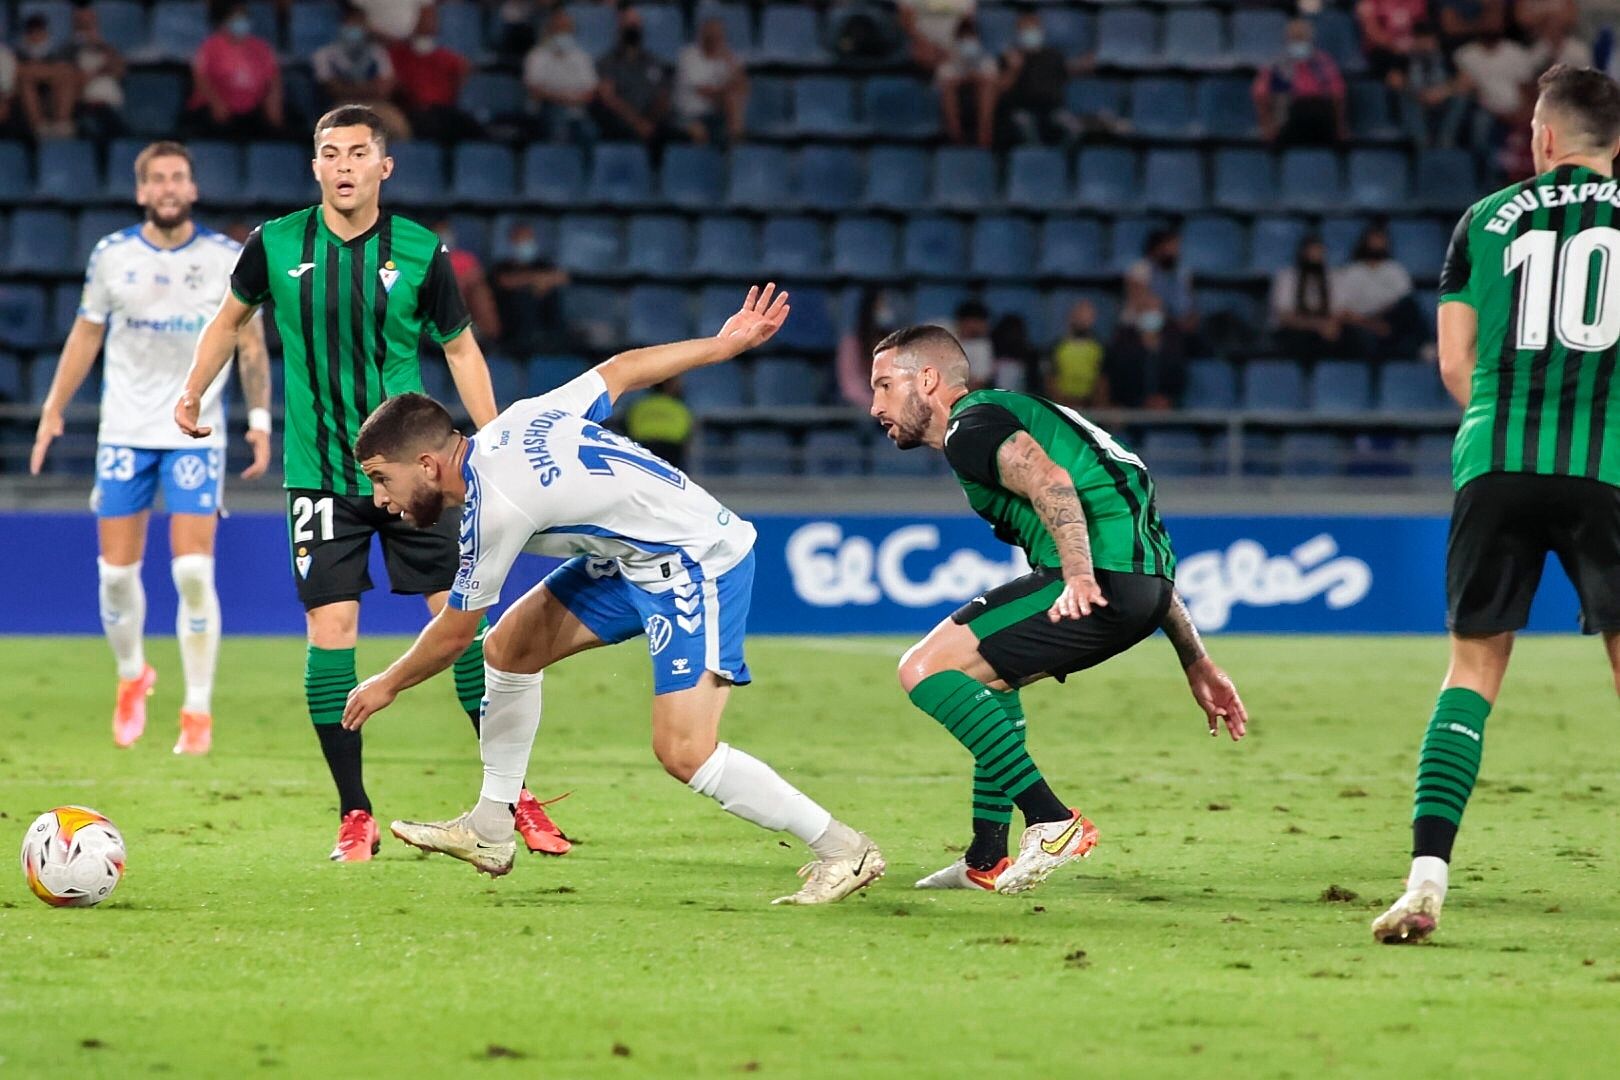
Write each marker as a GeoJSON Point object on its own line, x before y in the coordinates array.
{"type": "Point", "coordinates": [696, 626]}
{"type": "Point", "coordinates": [127, 479]}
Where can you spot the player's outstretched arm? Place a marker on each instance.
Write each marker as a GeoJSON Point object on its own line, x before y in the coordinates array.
{"type": "Point", "coordinates": [756, 322]}
{"type": "Point", "coordinates": [445, 637]}
{"type": "Point", "coordinates": [215, 346]}
{"type": "Point", "coordinates": [78, 356]}
{"type": "Point", "coordinates": [253, 368]}
{"type": "Point", "coordinates": [1027, 470]}
{"type": "Point", "coordinates": [470, 372]}
{"type": "Point", "coordinates": [1459, 348]}
{"type": "Point", "coordinates": [1211, 687]}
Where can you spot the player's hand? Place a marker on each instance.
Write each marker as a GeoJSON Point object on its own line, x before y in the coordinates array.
{"type": "Point", "coordinates": [1080, 594]}
{"type": "Point", "coordinates": [758, 320]}
{"type": "Point", "coordinates": [260, 441]}
{"type": "Point", "coordinates": [1218, 698]}
{"type": "Point", "coordinates": [371, 696]}
{"type": "Point", "coordinates": [50, 426]}
{"type": "Point", "coordinates": [186, 412]}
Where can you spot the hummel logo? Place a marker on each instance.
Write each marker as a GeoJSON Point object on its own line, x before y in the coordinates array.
{"type": "Point", "coordinates": [1055, 847]}
{"type": "Point", "coordinates": [300, 270]}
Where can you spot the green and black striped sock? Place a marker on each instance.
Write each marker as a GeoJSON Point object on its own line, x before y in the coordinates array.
{"type": "Point", "coordinates": [1447, 768]}
{"type": "Point", "coordinates": [992, 810]}
{"type": "Point", "coordinates": [469, 672]}
{"type": "Point", "coordinates": [328, 678]}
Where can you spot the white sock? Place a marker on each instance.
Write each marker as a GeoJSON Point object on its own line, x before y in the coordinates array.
{"type": "Point", "coordinates": [491, 820]}
{"type": "Point", "coordinates": [1428, 870]}
{"type": "Point", "coordinates": [123, 615]}
{"type": "Point", "coordinates": [196, 625]}
{"type": "Point", "coordinates": [506, 734]}
{"type": "Point", "coordinates": [746, 786]}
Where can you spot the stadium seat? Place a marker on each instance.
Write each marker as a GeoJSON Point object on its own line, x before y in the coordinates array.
{"type": "Point", "coordinates": [484, 174]}
{"type": "Point", "coordinates": [276, 173]}
{"type": "Point", "coordinates": [793, 247]}
{"type": "Point", "coordinates": [658, 313]}
{"type": "Point", "coordinates": [1340, 386]}
{"type": "Point", "coordinates": [761, 177]}
{"type": "Point", "coordinates": [1174, 452]}
{"type": "Point", "coordinates": [22, 319]}
{"type": "Point", "coordinates": [905, 107]}
{"type": "Point", "coordinates": [38, 242]}
{"type": "Point", "coordinates": [553, 174]}
{"type": "Point", "coordinates": [936, 303]}
{"type": "Point", "coordinates": [1312, 453]}
{"type": "Point", "coordinates": [490, 96]}
{"type": "Point", "coordinates": [594, 314]}
{"type": "Point", "coordinates": [890, 460]}
{"type": "Point", "coordinates": [789, 35]}
{"type": "Point", "coordinates": [509, 377]}
{"type": "Point", "coordinates": [123, 25]}
{"type": "Point", "coordinates": [708, 389]}
{"type": "Point", "coordinates": [830, 177]}
{"type": "Point", "coordinates": [896, 178]}
{"type": "Point", "coordinates": [964, 178]}
{"type": "Point", "coordinates": [620, 175]}
{"type": "Point", "coordinates": [13, 379]}
{"type": "Point", "coordinates": [864, 248]}
{"type": "Point", "coordinates": [1002, 247]}
{"type": "Point", "coordinates": [1309, 180]}
{"type": "Point", "coordinates": [118, 178]}
{"type": "Point", "coordinates": [717, 303]}
{"type": "Point", "coordinates": [1071, 247]}
{"type": "Point", "coordinates": [1211, 385]}
{"type": "Point", "coordinates": [692, 177]}
{"type": "Point", "coordinates": [830, 452]}
{"type": "Point", "coordinates": [1419, 244]}
{"type": "Point", "coordinates": [1023, 301]}
{"type": "Point", "coordinates": [263, 21]}
{"type": "Point", "coordinates": [1273, 386]}
{"type": "Point", "coordinates": [64, 309]}
{"type": "Point", "coordinates": [152, 101]}
{"type": "Point", "coordinates": [217, 168]}
{"type": "Point", "coordinates": [1225, 108]}
{"type": "Point", "coordinates": [1195, 39]}
{"type": "Point", "coordinates": [1128, 238]}
{"type": "Point", "coordinates": [1431, 455]}
{"type": "Point", "coordinates": [1257, 36]}
{"type": "Point", "coordinates": [1215, 247]}
{"type": "Point", "coordinates": [1341, 234]}
{"type": "Point", "coordinates": [1162, 108]}
{"type": "Point", "coordinates": [782, 383]}
{"type": "Point", "coordinates": [461, 28]}
{"type": "Point", "coordinates": [763, 452]}
{"type": "Point", "coordinates": [66, 171]}
{"type": "Point", "coordinates": [1244, 180]}
{"type": "Point", "coordinates": [178, 30]}
{"type": "Point", "coordinates": [1037, 178]}
{"type": "Point", "coordinates": [738, 20]}
{"type": "Point", "coordinates": [1378, 179]}
{"type": "Point", "coordinates": [825, 105]}
{"type": "Point", "coordinates": [589, 243]}
{"type": "Point", "coordinates": [1368, 103]}
{"type": "Point", "coordinates": [471, 233]}
{"type": "Point", "coordinates": [309, 27]}
{"type": "Point", "coordinates": [16, 176]}
{"type": "Point", "coordinates": [595, 27]}
{"type": "Point", "coordinates": [997, 26]}
{"type": "Point", "coordinates": [1073, 32]}
{"type": "Point", "coordinates": [659, 246]}
{"type": "Point", "coordinates": [726, 247]}
{"type": "Point", "coordinates": [1414, 387]}
{"type": "Point", "coordinates": [92, 226]}
{"type": "Point", "coordinates": [770, 106]}
{"type": "Point", "coordinates": [1446, 180]}
{"type": "Point", "coordinates": [1174, 180]}
{"type": "Point", "coordinates": [1107, 178]}
{"type": "Point", "coordinates": [812, 327]}
{"type": "Point", "coordinates": [934, 247]}
{"type": "Point", "coordinates": [1096, 97]}
{"type": "Point", "coordinates": [1127, 37]}
{"type": "Point", "coordinates": [1337, 36]}
{"type": "Point", "coordinates": [549, 372]}
{"type": "Point", "coordinates": [419, 174]}
{"type": "Point", "coordinates": [1274, 244]}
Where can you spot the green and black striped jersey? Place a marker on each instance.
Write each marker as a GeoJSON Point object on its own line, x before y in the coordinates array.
{"type": "Point", "coordinates": [1115, 490]}
{"type": "Point", "coordinates": [1540, 263]}
{"type": "Point", "coordinates": [351, 316]}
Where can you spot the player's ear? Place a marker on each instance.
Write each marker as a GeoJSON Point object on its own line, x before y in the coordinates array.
{"type": "Point", "coordinates": [388, 167]}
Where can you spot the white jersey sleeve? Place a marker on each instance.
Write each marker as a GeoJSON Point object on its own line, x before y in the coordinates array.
{"type": "Point", "coordinates": [493, 533]}
{"type": "Point", "coordinates": [587, 396]}
{"type": "Point", "coordinates": [96, 302]}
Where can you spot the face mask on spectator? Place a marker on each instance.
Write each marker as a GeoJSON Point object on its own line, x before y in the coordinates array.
{"type": "Point", "coordinates": [968, 48]}
{"type": "Point", "coordinates": [526, 251]}
{"type": "Point", "coordinates": [353, 36]}
{"type": "Point", "coordinates": [239, 26]}
{"type": "Point", "coordinates": [422, 44]}
{"type": "Point", "coordinates": [1150, 322]}
{"type": "Point", "coordinates": [884, 316]}
{"type": "Point", "coordinates": [1299, 50]}
{"type": "Point", "coordinates": [562, 42]}
{"type": "Point", "coordinates": [1032, 38]}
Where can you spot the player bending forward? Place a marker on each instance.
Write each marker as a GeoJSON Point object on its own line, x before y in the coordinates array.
{"type": "Point", "coordinates": [652, 552]}
{"type": "Point", "coordinates": [1529, 325]}
{"type": "Point", "coordinates": [1080, 506]}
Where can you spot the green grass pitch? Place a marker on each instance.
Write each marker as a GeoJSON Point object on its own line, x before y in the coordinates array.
{"type": "Point", "coordinates": [1201, 938]}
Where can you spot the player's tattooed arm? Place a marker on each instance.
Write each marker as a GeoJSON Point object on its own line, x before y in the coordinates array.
{"type": "Point", "coordinates": [1178, 627]}
{"type": "Point", "coordinates": [1210, 686]}
{"type": "Point", "coordinates": [1026, 470]}
{"type": "Point", "coordinates": [253, 368]}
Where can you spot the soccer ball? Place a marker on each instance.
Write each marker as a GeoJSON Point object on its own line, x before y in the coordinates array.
{"type": "Point", "coordinates": [72, 857]}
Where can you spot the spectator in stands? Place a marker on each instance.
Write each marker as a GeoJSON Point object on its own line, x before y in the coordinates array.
{"type": "Point", "coordinates": [1304, 322]}
{"type": "Point", "coordinates": [878, 315]}
{"type": "Point", "coordinates": [1033, 105]}
{"type": "Point", "coordinates": [1300, 96]}
{"type": "Point", "coordinates": [473, 283]}
{"type": "Point", "coordinates": [972, 328]}
{"type": "Point", "coordinates": [1433, 97]}
{"type": "Point", "coordinates": [1462, 21]}
{"type": "Point", "coordinates": [1017, 361]}
{"type": "Point", "coordinates": [1158, 289]}
{"type": "Point", "coordinates": [1501, 73]}
{"type": "Point", "coordinates": [11, 124]}
{"type": "Point", "coordinates": [1553, 41]}
{"type": "Point", "coordinates": [236, 82]}
{"type": "Point", "coordinates": [527, 295]}
{"type": "Point", "coordinates": [514, 33]}
{"type": "Point", "coordinates": [632, 100]}
{"type": "Point", "coordinates": [711, 87]}
{"type": "Point", "coordinates": [1076, 378]}
{"type": "Point", "coordinates": [101, 72]}
{"type": "Point", "coordinates": [863, 32]}
{"type": "Point", "coordinates": [1147, 363]}
{"type": "Point", "coordinates": [429, 78]}
{"type": "Point", "coordinates": [1389, 33]}
{"type": "Point", "coordinates": [1372, 297]}
{"type": "Point", "coordinates": [393, 20]}
{"type": "Point", "coordinates": [355, 70]}
{"type": "Point", "coordinates": [47, 81]}
{"type": "Point", "coordinates": [968, 77]}
{"type": "Point", "coordinates": [1545, 19]}
{"type": "Point", "coordinates": [930, 27]}
{"type": "Point", "coordinates": [660, 421]}
{"type": "Point", "coordinates": [561, 80]}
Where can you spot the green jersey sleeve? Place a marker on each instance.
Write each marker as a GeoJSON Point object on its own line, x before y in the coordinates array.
{"type": "Point", "coordinates": [1459, 265]}
{"type": "Point", "coordinates": [974, 438]}
{"type": "Point", "coordinates": [250, 280]}
{"type": "Point", "coordinates": [441, 303]}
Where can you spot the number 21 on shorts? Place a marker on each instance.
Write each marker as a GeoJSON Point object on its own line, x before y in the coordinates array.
{"type": "Point", "coordinates": [307, 511]}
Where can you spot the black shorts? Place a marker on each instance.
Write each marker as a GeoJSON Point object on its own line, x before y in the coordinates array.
{"type": "Point", "coordinates": [1503, 525]}
{"type": "Point", "coordinates": [1020, 642]}
{"type": "Point", "coordinates": [331, 536]}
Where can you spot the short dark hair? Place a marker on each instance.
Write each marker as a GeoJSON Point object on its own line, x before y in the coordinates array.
{"type": "Point", "coordinates": [353, 116]}
{"type": "Point", "coordinates": [161, 148]}
{"type": "Point", "coordinates": [403, 423]}
{"type": "Point", "coordinates": [1589, 99]}
{"type": "Point", "coordinates": [923, 337]}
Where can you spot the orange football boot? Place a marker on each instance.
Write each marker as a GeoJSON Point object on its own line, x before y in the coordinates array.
{"type": "Point", "coordinates": [357, 838]}
{"type": "Point", "coordinates": [196, 733]}
{"type": "Point", "coordinates": [129, 715]}
{"type": "Point", "coordinates": [539, 832]}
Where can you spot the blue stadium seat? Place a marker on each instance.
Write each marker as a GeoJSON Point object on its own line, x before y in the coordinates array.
{"type": "Point", "coordinates": [1175, 452]}
{"type": "Point", "coordinates": [904, 106]}
{"type": "Point", "coordinates": [485, 174]}
{"type": "Point", "coordinates": [1211, 384]}
{"type": "Point", "coordinates": [1273, 386]}
{"type": "Point", "coordinates": [1071, 31]}
{"type": "Point", "coordinates": [152, 102]}
{"type": "Point", "coordinates": [1378, 179]}
{"type": "Point", "coordinates": [418, 178]}
{"type": "Point", "coordinates": [1037, 178]}
{"type": "Point", "coordinates": [589, 243]}
{"type": "Point", "coordinates": [16, 175]}
{"type": "Point", "coordinates": [1023, 301]}
{"type": "Point", "coordinates": [620, 175]}
{"type": "Point", "coordinates": [834, 452]}
{"type": "Point", "coordinates": [770, 106]}
{"type": "Point", "coordinates": [119, 176]}
{"type": "Point", "coordinates": [658, 313]}
{"type": "Point", "coordinates": [1419, 244]}
{"type": "Point", "coordinates": [1225, 108]}
{"type": "Point", "coordinates": [178, 30]}
{"type": "Point", "coordinates": [1241, 304]}
{"type": "Point", "coordinates": [1309, 180]}
{"type": "Point", "coordinates": [1174, 180]}
{"type": "Point", "coordinates": [123, 25]}
{"type": "Point", "coordinates": [1162, 108]}
{"type": "Point", "coordinates": [1274, 244]}
{"type": "Point", "coordinates": [1257, 36]}
{"type": "Point", "coordinates": [1404, 388]}
{"type": "Point", "coordinates": [830, 177]}
{"type": "Point", "coordinates": [39, 242]}
{"type": "Point", "coordinates": [217, 168]}
{"type": "Point", "coordinates": [549, 372]}
{"type": "Point", "coordinates": [595, 26]}
{"type": "Point", "coordinates": [58, 17]}
{"type": "Point", "coordinates": [1002, 247]}
{"type": "Point", "coordinates": [553, 174]}
{"type": "Point", "coordinates": [22, 319]}
{"type": "Point", "coordinates": [1071, 247]}
{"type": "Point", "coordinates": [309, 27]}
{"type": "Point", "coordinates": [92, 225]}
{"type": "Point", "coordinates": [692, 177]}
{"type": "Point", "coordinates": [1107, 178]}
{"type": "Point", "coordinates": [1312, 453]}
{"type": "Point", "coordinates": [491, 96]}
{"type": "Point", "coordinates": [1195, 38]}
{"type": "Point", "coordinates": [779, 382]}
{"type": "Point", "coordinates": [594, 314]}
{"type": "Point", "coordinates": [1244, 180]}
{"type": "Point", "coordinates": [1337, 36]}
{"type": "Point", "coordinates": [864, 248]}
{"type": "Point", "coordinates": [716, 304]}
{"type": "Point", "coordinates": [64, 309]}
{"type": "Point", "coordinates": [789, 34]}
{"type": "Point", "coordinates": [1446, 180]}
{"type": "Point", "coordinates": [896, 178]}
{"type": "Point", "coordinates": [763, 452]}
{"type": "Point", "coordinates": [509, 377]}
{"type": "Point", "coordinates": [1096, 97]}
{"type": "Point", "coordinates": [936, 303]}
{"type": "Point", "coordinates": [934, 247]}
{"type": "Point", "coordinates": [964, 178]}
{"type": "Point", "coordinates": [659, 246]}
{"type": "Point", "coordinates": [13, 379]}
{"type": "Point", "coordinates": [727, 247]}
{"type": "Point", "coordinates": [812, 327]}
{"type": "Point", "coordinates": [1340, 234]}
{"type": "Point", "coordinates": [1340, 386]}
{"type": "Point", "coordinates": [793, 246]}
{"type": "Point", "coordinates": [1431, 455]}
{"type": "Point", "coordinates": [472, 234]}
{"type": "Point", "coordinates": [890, 460]}
{"type": "Point", "coordinates": [1368, 103]}
{"type": "Point", "coordinates": [66, 171]}
{"type": "Point", "coordinates": [1127, 37]}
{"type": "Point", "coordinates": [761, 177]}
{"type": "Point", "coordinates": [277, 174]}
{"type": "Point", "coordinates": [264, 22]}
{"type": "Point", "coordinates": [708, 389]}
{"type": "Point", "coordinates": [461, 27]}
{"type": "Point", "coordinates": [738, 20]}
{"type": "Point", "coordinates": [825, 105]}
{"type": "Point", "coordinates": [997, 26]}
{"type": "Point", "coordinates": [1127, 240]}
{"type": "Point", "coordinates": [1215, 247]}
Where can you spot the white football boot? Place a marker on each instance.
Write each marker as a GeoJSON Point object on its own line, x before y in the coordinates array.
{"type": "Point", "coordinates": [829, 880]}
{"type": "Point", "coordinates": [1045, 847]}
{"type": "Point", "coordinates": [1412, 918]}
{"type": "Point", "coordinates": [458, 839]}
{"type": "Point", "coordinates": [959, 875]}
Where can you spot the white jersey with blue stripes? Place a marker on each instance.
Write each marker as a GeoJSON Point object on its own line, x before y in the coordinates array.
{"type": "Point", "coordinates": [545, 477]}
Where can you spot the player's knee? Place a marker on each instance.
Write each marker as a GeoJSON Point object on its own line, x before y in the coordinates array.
{"type": "Point", "coordinates": [118, 582]}
{"type": "Point", "coordinates": [917, 664]}
{"type": "Point", "coordinates": [680, 755]}
{"type": "Point", "coordinates": [333, 629]}
{"type": "Point", "coordinates": [193, 577]}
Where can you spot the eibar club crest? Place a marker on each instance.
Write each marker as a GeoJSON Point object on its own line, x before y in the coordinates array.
{"type": "Point", "coordinates": [389, 274]}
